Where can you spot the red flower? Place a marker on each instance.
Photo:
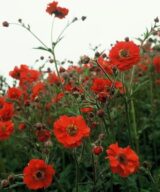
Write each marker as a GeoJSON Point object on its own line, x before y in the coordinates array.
{"type": "Point", "coordinates": [17, 71]}
{"type": "Point", "coordinates": [14, 93]}
{"type": "Point", "coordinates": [59, 12]}
{"type": "Point", "coordinates": [156, 63]}
{"type": "Point", "coordinates": [106, 65]}
{"type": "Point", "coordinates": [86, 109]}
{"type": "Point", "coordinates": [97, 150]}
{"type": "Point", "coordinates": [70, 130]}
{"type": "Point", "coordinates": [6, 111]}
{"type": "Point", "coordinates": [28, 77]}
{"type": "Point", "coordinates": [54, 79]}
{"type": "Point", "coordinates": [37, 89]}
{"type": "Point", "coordinates": [6, 129]}
{"type": "Point", "coordinates": [124, 55]}
{"type": "Point", "coordinates": [43, 135]}
{"type": "Point", "coordinates": [38, 174]}
{"type": "Point", "coordinates": [123, 161]}
{"type": "Point", "coordinates": [21, 126]}
{"type": "Point", "coordinates": [57, 98]}
{"type": "Point", "coordinates": [100, 85]}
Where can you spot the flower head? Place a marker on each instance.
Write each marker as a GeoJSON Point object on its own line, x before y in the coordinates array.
{"type": "Point", "coordinates": [70, 130]}
{"type": "Point", "coordinates": [38, 174]}
{"type": "Point", "coordinates": [123, 161]}
{"type": "Point", "coordinates": [6, 129]}
{"type": "Point", "coordinates": [59, 12]}
{"type": "Point", "coordinates": [124, 55]}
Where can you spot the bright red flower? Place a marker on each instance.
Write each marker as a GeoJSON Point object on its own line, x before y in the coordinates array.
{"type": "Point", "coordinates": [37, 89]}
{"type": "Point", "coordinates": [14, 93]}
{"type": "Point", "coordinates": [105, 88]}
{"type": "Point", "coordinates": [156, 63]}
{"type": "Point", "coordinates": [124, 55]}
{"type": "Point", "coordinates": [70, 130]}
{"type": "Point", "coordinates": [38, 174]}
{"type": "Point", "coordinates": [123, 161]}
{"type": "Point", "coordinates": [17, 71]}
{"type": "Point", "coordinates": [59, 12]}
{"type": "Point", "coordinates": [6, 129]}
{"type": "Point", "coordinates": [28, 77]}
{"type": "Point", "coordinates": [101, 85]}
{"type": "Point", "coordinates": [6, 111]}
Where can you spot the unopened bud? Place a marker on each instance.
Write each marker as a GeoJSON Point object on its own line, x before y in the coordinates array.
{"type": "Point", "coordinates": [5, 24]}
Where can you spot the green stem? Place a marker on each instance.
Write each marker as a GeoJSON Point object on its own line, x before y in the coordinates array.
{"type": "Point", "coordinates": [77, 174]}
{"type": "Point", "coordinates": [94, 173]}
{"type": "Point", "coordinates": [136, 139]}
{"type": "Point", "coordinates": [33, 34]}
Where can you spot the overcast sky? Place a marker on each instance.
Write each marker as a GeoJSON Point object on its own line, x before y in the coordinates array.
{"type": "Point", "coordinates": [107, 21]}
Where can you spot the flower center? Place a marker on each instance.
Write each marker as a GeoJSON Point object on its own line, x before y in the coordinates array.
{"type": "Point", "coordinates": [123, 53]}
{"type": "Point", "coordinates": [72, 130]}
{"type": "Point", "coordinates": [122, 158]}
{"type": "Point", "coordinates": [39, 175]}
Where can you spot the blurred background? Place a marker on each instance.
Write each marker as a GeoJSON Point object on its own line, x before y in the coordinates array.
{"type": "Point", "coordinates": [107, 21]}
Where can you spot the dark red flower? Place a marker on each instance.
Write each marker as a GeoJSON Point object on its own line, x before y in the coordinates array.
{"type": "Point", "coordinates": [156, 63]}
{"type": "Point", "coordinates": [6, 129]}
{"type": "Point", "coordinates": [123, 161]}
{"type": "Point", "coordinates": [124, 55]}
{"type": "Point", "coordinates": [38, 174]}
{"type": "Point", "coordinates": [43, 135]}
{"type": "Point", "coordinates": [70, 130]}
{"type": "Point", "coordinates": [21, 126]}
{"type": "Point", "coordinates": [59, 12]}
{"type": "Point", "coordinates": [97, 150]}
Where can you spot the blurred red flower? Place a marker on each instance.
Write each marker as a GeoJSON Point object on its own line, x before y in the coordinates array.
{"type": "Point", "coordinates": [17, 71]}
{"type": "Point", "coordinates": [87, 109]}
{"type": "Point", "coordinates": [124, 55]}
{"type": "Point", "coordinates": [6, 129]}
{"type": "Point", "coordinates": [14, 93]}
{"type": "Point", "coordinates": [59, 12]}
{"type": "Point", "coordinates": [70, 130]}
{"type": "Point", "coordinates": [6, 111]}
{"type": "Point", "coordinates": [156, 63]}
{"type": "Point", "coordinates": [97, 150]}
{"type": "Point", "coordinates": [38, 174]}
{"type": "Point", "coordinates": [43, 135]}
{"type": "Point", "coordinates": [106, 65]}
{"type": "Point", "coordinates": [123, 161]}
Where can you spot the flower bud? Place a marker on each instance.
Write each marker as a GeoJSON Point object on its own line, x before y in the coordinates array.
{"type": "Point", "coordinates": [4, 183]}
{"type": "Point", "coordinates": [5, 24]}
{"type": "Point", "coordinates": [97, 150]}
{"type": "Point", "coordinates": [100, 113]}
